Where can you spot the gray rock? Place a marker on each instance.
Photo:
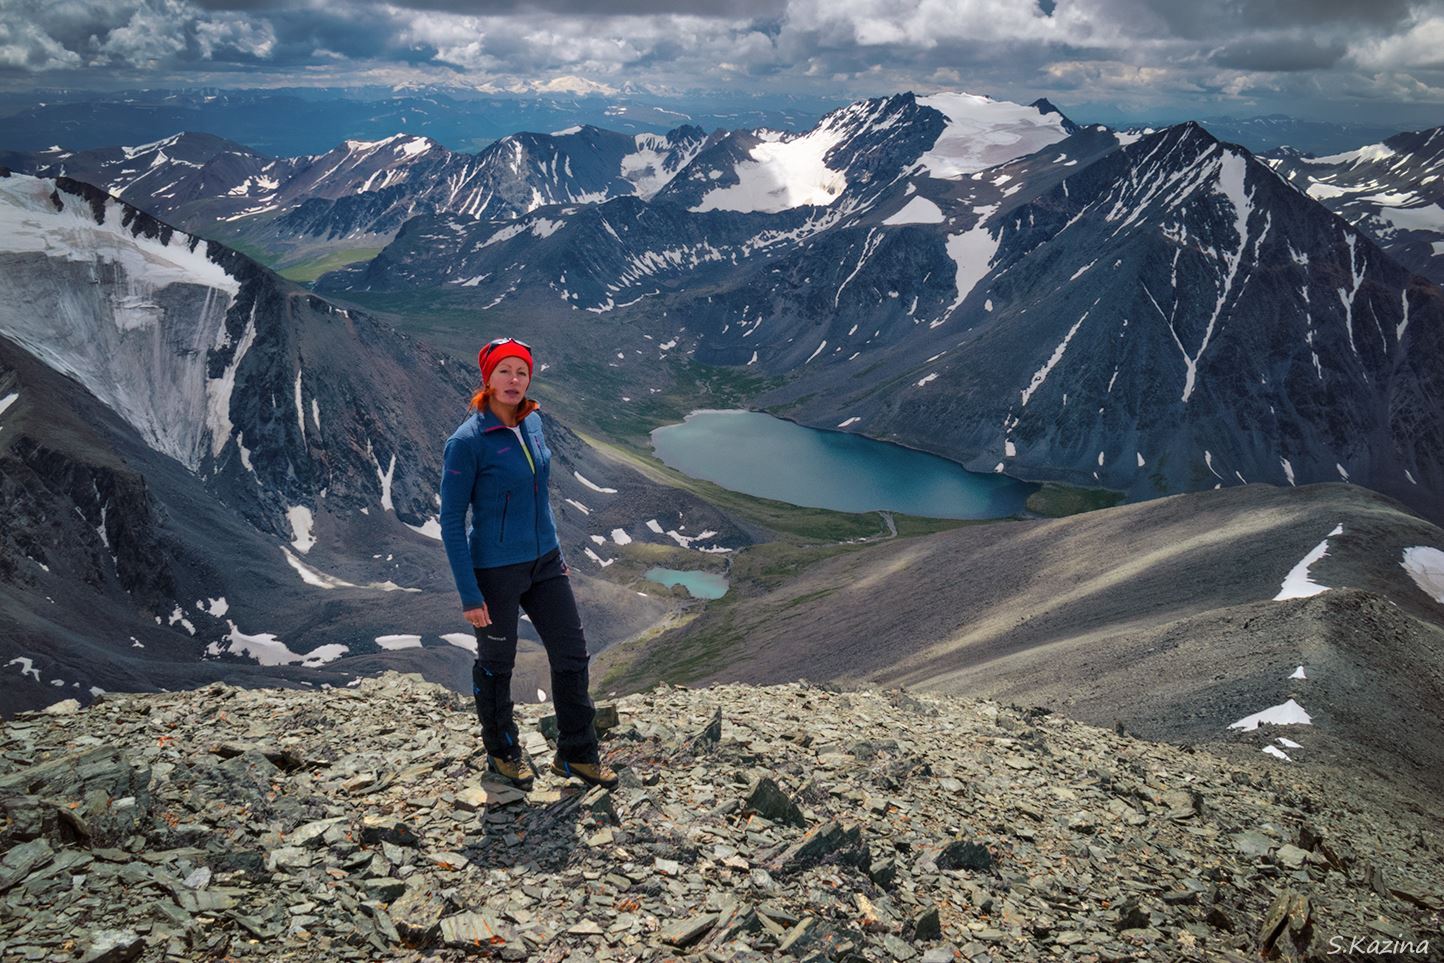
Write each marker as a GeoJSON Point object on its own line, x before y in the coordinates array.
{"type": "Point", "coordinates": [113, 946]}
{"type": "Point", "coordinates": [375, 829]}
{"type": "Point", "coordinates": [897, 948]}
{"type": "Point", "coordinates": [417, 913]}
{"type": "Point", "coordinates": [710, 735]}
{"type": "Point", "coordinates": [606, 718]}
{"type": "Point", "coordinates": [926, 926]}
{"type": "Point", "coordinates": [473, 929]}
{"type": "Point", "coordinates": [383, 889]}
{"type": "Point", "coordinates": [767, 799]}
{"type": "Point", "coordinates": [965, 854]}
{"type": "Point", "coordinates": [683, 933]}
{"type": "Point", "coordinates": [313, 834]}
{"type": "Point", "coordinates": [829, 840]}
{"type": "Point", "coordinates": [22, 860]}
{"type": "Point", "coordinates": [1291, 856]}
{"type": "Point", "coordinates": [1250, 843]}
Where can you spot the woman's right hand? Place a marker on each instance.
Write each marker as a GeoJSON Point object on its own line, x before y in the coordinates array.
{"type": "Point", "coordinates": [479, 618]}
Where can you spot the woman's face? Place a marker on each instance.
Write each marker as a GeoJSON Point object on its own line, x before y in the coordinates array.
{"type": "Point", "coordinates": [509, 380]}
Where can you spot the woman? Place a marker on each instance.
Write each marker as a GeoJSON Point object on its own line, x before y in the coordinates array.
{"type": "Point", "coordinates": [498, 464]}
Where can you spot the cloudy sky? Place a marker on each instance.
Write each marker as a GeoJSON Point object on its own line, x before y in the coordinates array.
{"type": "Point", "coordinates": [1375, 60]}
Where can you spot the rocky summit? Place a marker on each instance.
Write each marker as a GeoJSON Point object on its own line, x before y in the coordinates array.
{"type": "Point", "coordinates": [787, 822]}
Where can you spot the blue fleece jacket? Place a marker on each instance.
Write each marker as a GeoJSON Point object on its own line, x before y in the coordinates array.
{"type": "Point", "coordinates": [504, 485]}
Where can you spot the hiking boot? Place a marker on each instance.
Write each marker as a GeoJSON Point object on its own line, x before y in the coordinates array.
{"type": "Point", "coordinates": [591, 773]}
{"type": "Point", "coordinates": [518, 771]}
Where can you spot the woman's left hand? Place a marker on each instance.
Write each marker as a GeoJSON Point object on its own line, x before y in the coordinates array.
{"type": "Point", "coordinates": [566, 569]}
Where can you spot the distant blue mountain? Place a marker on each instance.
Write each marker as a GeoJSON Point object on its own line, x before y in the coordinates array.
{"type": "Point", "coordinates": [294, 122]}
{"type": "Point", "coordinates": [1262, 134]}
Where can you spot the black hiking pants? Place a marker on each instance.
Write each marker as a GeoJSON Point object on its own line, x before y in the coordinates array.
{"type": "Point", "coordinates": [541, 590]}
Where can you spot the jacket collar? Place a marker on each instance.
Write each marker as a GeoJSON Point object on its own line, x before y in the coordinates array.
{"type": "Point", "coordinates": [490, 422]}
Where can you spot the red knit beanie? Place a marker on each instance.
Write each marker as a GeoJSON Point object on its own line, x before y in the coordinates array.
{"type": "Point", "coordinates": [491, 355]}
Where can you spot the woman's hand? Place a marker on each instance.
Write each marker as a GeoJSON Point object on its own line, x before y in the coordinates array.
{"type": "Point", "coordinates": [566, 569]}
{"type": "Point", "coordinates": [479, 618]}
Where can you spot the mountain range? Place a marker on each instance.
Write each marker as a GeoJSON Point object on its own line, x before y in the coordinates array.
{"type": "Point", "coordinates": [309, 120]}
{"type": "Point", "coordinates": [1151, 313]}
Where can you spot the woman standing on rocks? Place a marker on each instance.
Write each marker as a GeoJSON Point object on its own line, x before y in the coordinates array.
{"type": "Point", "coordinates": [498, 465]}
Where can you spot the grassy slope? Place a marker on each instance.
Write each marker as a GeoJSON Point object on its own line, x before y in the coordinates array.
{"type": "Point", "coordinates": [307, 271]}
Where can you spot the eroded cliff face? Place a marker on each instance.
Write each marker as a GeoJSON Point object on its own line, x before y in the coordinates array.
{"type": "Point", "coordinates": [751, 823]}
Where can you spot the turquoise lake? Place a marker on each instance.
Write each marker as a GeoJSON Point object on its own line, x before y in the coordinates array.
{"type": "Point", "coordinates": [757, 454]}
{"type": "Point", "coordinates": [699, 585]}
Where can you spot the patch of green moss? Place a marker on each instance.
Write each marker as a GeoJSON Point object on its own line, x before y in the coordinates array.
{"type": "Point", "coordinates": [1055, 500]}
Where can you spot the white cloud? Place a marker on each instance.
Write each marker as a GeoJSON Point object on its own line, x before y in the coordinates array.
{"type": "Point", "coordinates": [1422, 46]}
{"type": "Point", "coordinates": [256, 38]}
{"type": "Point", "coordinates": [25, 46]}
{"type": "Point", "coordinates": [154, 33]}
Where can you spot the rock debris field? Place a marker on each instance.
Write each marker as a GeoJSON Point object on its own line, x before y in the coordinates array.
{"type": "Point", "coordinates": [752, 823]}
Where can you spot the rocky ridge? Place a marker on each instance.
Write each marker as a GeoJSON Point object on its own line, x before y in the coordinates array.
{"type": "Point", "coordinates": [787, 822]}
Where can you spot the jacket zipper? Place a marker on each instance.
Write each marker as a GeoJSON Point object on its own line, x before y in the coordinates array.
{"type": "Point", "coordinates": [535, 502]}
{"type": "Point", "coordinates": [506, 504]}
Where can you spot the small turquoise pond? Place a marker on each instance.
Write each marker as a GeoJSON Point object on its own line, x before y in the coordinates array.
{"type": "Point", "coordinates": [699, 585]}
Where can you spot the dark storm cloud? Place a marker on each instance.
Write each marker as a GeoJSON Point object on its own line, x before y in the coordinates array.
{"type": "Point", "coordinates": [1282, 54]}
{"type": "Point", "coordinates": [1213, 21]}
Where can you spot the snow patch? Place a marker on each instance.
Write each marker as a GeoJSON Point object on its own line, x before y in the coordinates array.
{"type": "Point", "coordinates": [431, 528]}
{"type": "Point", "coordinates": [784, 171]}
{"type": "Point", "coordinates": [393, 642]}
{"type": "Point", "coordinates": [179, 616]}
{"type": "Point", "coordinates": [266, 649]}
{"type": "Point", "coordinates": [1425, 566]}
{"type": "Point", "coordinates": [972, 252]}
{"type": "Point", "coordinates": [1297, 584]}
{"type": "Point", "coordinates": [301, 522]}
{"type": "Point", "coordinates": [592, 485]}
{"type": "Point", "coordinates": [462, 640]}
{"type": "Point", "coordinates": [1041, 375]}
{"type": "Point", "coordinates": [218, 390]}
{"type": "Point", "coordinates": [919, 210]}
{"type": "Point", "coordinates": [317, 579]}
{"type": "Point", "coordinates": [27, 666]}
{"type": "Point", "coordinates": [1289, 713]}
{"type": "Point", "coordinates": [982, 132]}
